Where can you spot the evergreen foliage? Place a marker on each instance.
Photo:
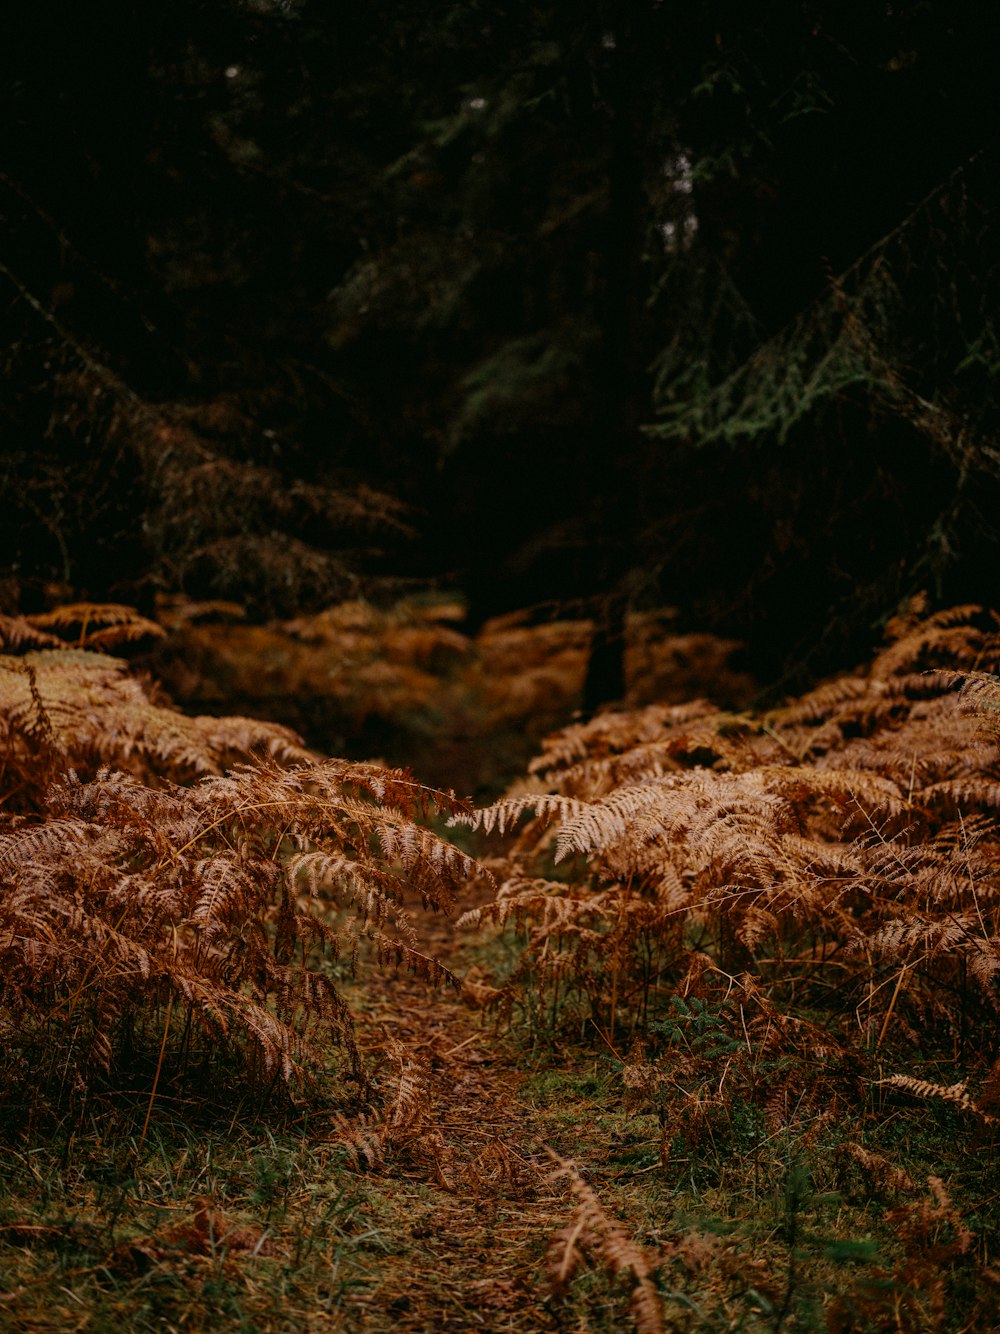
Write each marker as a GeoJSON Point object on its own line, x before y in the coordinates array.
{"type": "Point", "coordinates": [438, 253]}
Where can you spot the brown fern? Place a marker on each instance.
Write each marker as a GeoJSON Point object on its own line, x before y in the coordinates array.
{"type": "Point", "coordinates": [919, 1291]}
{"type": "Point", "coordinates": [128, 899]}
{"type": "Point", "coordinates": [96, 625]}
{"type": "Point", "coordinates": [405, 1126]}
{"type": "Point", "coordinates": [838, 854]}
{"type": "Point", "coordinates": [95, 713]}
{"type": "Point", "coordinates": [136, 913]}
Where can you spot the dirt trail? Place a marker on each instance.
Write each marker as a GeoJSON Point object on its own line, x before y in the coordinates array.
{"type": "Point", "coordinates": [469, 1257]}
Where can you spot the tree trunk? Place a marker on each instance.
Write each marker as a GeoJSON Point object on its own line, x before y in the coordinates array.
{"type": "Point", "coordinates": [613, 482]}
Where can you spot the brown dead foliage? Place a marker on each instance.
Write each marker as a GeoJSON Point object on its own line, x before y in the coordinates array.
{"type": "Point", "coordinates": [180, 884]}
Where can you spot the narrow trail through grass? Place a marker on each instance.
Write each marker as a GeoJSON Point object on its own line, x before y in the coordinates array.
{"type": "Point", "coordinates": [244, 1219]}
{"type": "Point", "coordinates": [469, 1255]}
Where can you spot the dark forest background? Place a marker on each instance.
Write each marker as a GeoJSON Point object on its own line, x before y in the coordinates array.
{"type": "Point", "coordinates": [606, 305]}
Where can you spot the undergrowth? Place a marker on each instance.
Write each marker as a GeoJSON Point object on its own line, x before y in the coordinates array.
{"type": "Point", "coordinates": [747, 965]}
{"type": "Point", "coordinates": [147, 916]}
{"type": "Point", "coordinates": [864, 1223]}
{"type": "Point", "coordinates": [780, 928]}
{"type": "Point", "coordinates": [463, 710]}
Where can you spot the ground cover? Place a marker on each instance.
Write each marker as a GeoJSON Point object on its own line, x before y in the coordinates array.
{"type": "Point", "coordinates": [236, 1217]}
{"type": "Point", "coordinates": [784, 1119]}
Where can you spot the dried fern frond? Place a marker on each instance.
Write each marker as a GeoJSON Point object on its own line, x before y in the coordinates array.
{"type": "Point", "coordinates": [951, 638]}
{"type": "Point", "coordinates": [97, 625]}
{"type": "Point", "coordinates": [405, 1125]}
{"type": "Point", "coordinates": [593, 1230]}
{"type": "Point", "coordinates": [130, 905]}
{"type": "Point", "coordinates": [18, 633]}
{"type": "Point", "coordinates": [878, 1170]}
{"type": "Point", "coordinates": [616, 733]}
{"type": "Point", "coordinates": [957, 1094]}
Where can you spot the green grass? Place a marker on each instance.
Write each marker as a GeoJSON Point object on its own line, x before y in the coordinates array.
{"type": "Point", "coordinates": [253, 1219]}
{"type": "Point", "coordinates": [789, 1220]}
{"type": "Point", "coordinates": [788, 1230]}
{"type": "Point", "coordinates": [290, 1230]}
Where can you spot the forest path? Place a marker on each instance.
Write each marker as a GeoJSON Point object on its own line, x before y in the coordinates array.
{"type": "Point", "coordinates": [469, 1205]}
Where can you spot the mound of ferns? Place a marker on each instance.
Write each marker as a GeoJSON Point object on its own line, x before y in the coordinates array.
{"type": "Point", "coordinates": [827, 874]}
{"type": "Point", "coordinates": [140, 916]}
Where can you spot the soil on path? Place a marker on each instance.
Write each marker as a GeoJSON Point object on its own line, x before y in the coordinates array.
{"type": "Point", "coordinates": [470, 1200]}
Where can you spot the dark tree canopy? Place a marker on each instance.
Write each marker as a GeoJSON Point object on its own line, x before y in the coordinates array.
{"type": "Point", "coordinates": [623, 302]}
